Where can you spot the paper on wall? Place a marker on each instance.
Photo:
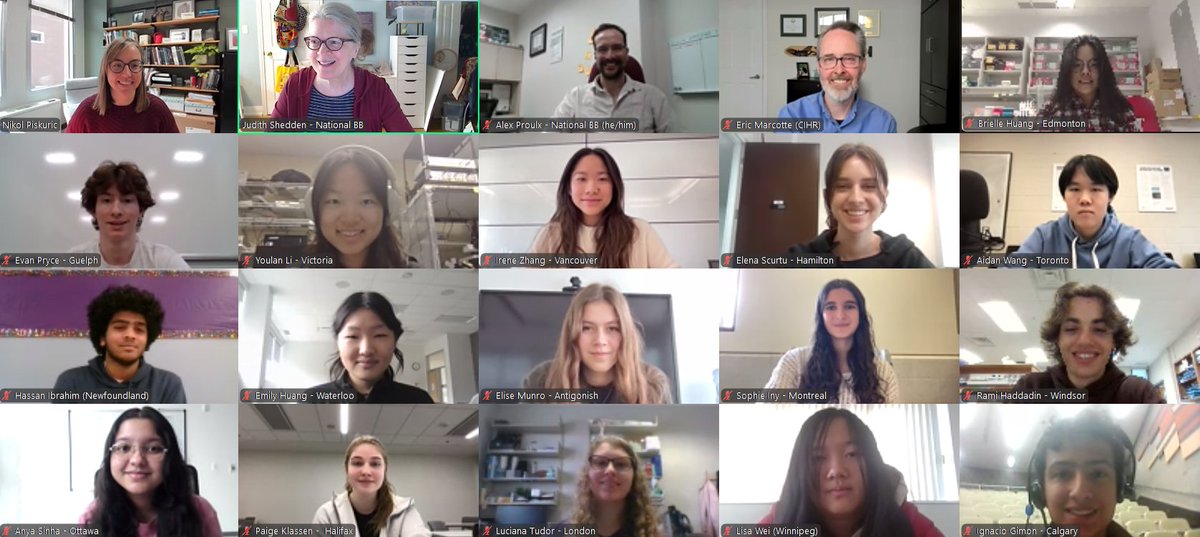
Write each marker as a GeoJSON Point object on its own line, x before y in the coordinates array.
{"type": "Point", "coordinates": [1156, 188]}
{"type": "Point", "coordinates": [1057, 201]}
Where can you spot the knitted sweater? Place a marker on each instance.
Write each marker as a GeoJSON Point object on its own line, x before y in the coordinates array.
{"type": "Point", "coordinates": [790, 369]}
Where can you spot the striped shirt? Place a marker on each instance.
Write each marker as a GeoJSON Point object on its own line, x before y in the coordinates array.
{"type": "Point", "coordinates": [321, 106]}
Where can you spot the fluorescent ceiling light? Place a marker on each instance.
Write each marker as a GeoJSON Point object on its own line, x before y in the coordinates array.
{"type": "Point", "coordinates": [1129, 307]}
{"type": "Point", "coordinates": [159, 219]}
{"type": "Point", "coordinates": [169, 195]}
{"type": "Point", "coordinates": [188, 156]}
{"type": "Point", "coordinates": [1008, 361]}
{"type": "Point", "coordinates": [1065, 4]}
{"type": "Point", "coordinates": [1003, 314]}
{"type": "Point", "coordinates": [1011, 461]}
{"type": "Point", "coordinates": [75, 195]}
{"type": "Point", "coordinates": [1035, 355]}
{"type": "Point", "coordinates": [60, 158]}
{"type": "Point", "coordinates": [474, 432]}
{"type": "Point", "coordinates": [85, 218]}
{"type": "Point", "coordinates": [345, 418]}
{"type": "Point", "coordinates": [969, 357]}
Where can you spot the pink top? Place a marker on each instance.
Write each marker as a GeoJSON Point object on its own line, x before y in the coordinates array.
{"type": "Point", "coordinates": [209, 526]}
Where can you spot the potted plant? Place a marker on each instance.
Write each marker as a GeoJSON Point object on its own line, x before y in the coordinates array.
{"type": "Point", "coordinates": [201, 52]}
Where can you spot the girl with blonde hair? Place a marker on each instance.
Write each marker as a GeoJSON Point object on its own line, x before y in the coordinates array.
{"type": "Point", "coordinates": [370, 502]}
{"type": "Point", "coordinates": [600, 348]}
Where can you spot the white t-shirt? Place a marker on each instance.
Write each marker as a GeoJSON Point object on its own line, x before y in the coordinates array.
{"type": "Point", "coordinates": [146, 255]}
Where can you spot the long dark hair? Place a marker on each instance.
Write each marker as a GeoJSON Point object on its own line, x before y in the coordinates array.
{"type": "Point", "coordinates": [882, 517]}
{"type": "Point", "coordinates": [822, 374]}
{"type": "Point", "coordinates": [177, 515]}
{"type": "Point", "coordinates": [1112, 102]}
{"type": "Point", "coordinates": [617, 230]}
{"type": "Point", "coordinates": [382, 307]}
{"type": "Point", "coordinates": [385, 251]}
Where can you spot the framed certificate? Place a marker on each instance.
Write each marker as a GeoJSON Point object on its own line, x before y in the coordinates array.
{"type": "Point", "coordinates": [793, 25]}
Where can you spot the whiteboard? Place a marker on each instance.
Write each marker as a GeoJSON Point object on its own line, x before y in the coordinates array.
{"type": "Point", "coordinates": [88, 431]}
{"type": "Point", "coordinates": [995, 169]}
{"type": "Point", "coordinates": [695, 62]}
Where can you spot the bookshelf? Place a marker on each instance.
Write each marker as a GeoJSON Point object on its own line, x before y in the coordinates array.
{"type": "Point", "coordinates": [190, 91]}
{"type": "Point", "coordinates": [521, 459]}
{"type": "Point", "coordinates": [1185, 374]}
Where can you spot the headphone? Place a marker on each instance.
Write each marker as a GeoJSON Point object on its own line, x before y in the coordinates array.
{"type": "Point", "coordinates": [1126, 474]}
{"type": "Point", "coordinates": [395, 201]}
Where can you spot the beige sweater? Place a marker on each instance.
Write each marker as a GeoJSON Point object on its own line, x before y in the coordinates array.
{"type": "Point", "coordinates": [647, 251]}
{"type": "Point", "coordinates": [790, 369]}
{"type": "Point", "coordinates": [660, 385]}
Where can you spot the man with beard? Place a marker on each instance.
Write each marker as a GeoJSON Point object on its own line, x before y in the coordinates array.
{"type": "Point", "coordinates": [841, 59]}
{"type": "Point", "coordinates": [123, 321]}
{"type": "Point", "coordinates": [613, 94]}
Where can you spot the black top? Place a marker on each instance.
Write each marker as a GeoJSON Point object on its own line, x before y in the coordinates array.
{"type": "Point", "coordinates": [385, 391]}
{"type": "Point", "coordinates": [1114, 386]}
{"type": "Point", "coordinates": [365, 528]}
{"type": "Point", "coordinates": [894, 252]}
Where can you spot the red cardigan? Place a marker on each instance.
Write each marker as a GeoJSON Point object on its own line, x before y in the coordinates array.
{"type": "Point", "coordinates": [157, 117]}
{"type": "Point", "coordinates": [921, 526]}
{"type": "Point", "coordinates": [374, 102]}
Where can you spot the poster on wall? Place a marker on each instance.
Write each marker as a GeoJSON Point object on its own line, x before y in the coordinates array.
{"type": "Point", "coordinates": [1156, 188]}
{"type": "Point", "coordinates": [1058, 202]}
{"type": "Point", "coordinates": [556, 45]}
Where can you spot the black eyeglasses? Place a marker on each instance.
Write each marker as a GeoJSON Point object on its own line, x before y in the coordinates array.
{"type": "Point", "coordinates": [600, 464]}
{"type": "Point", "coordinates": [118, 66]}
{"type": "Point", "coordinates": [126, 450]}
{"type": "Point", "coordinates": [332, 43]}
{"type": "Point", "coordinates": [849, 62]}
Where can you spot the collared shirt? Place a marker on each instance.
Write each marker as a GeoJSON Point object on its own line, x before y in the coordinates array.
{"type": "Point", "coordinates": [864, 115]}
{"type": "Point", "coordinates": [644, 102]}
{"type": "Point", "coordinates": [1092, 115]}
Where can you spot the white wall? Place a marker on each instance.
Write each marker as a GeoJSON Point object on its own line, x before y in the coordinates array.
{"type": "Point", "coordinates": [275, 492]}
{"type": "Point", "coordinates": [696, 112]}
{"type": "Point", "coordinates": [892, 79]}
{"type": "Point", "coordinates": [207, 367]}
{"type": "Point", "coordinates": [254, 311]}
{"type": "Point", "coordinates": [494, 15]}
{"type": "Point", "coordinates": [546, 83]}
{"type": "Point", "coordinates": [202, 221]}
{"type": "Point", "coordinates": [35, 486]}
{"type": "Point", "coordinates": [460, 366]}
{"type": "Point", "coordinates": [670, 181]}
{"type": "Point", "coordinates": [692, 302]}
{"type": "Point", "coordinates": [689, 445]}
{"type": "Point", "coordinates": [1033, 183]}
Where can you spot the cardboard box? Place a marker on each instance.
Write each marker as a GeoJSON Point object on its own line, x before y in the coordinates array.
{"type": "Point", "coordinates": [192, 124]}
{"type": "Point", "coordinates": [1168, 103]}
{"type": "Point", "coordinates": [1165, 79]}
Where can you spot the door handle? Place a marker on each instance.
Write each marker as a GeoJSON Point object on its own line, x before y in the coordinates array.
{"type": "Point", "coordinates": [755, 77]}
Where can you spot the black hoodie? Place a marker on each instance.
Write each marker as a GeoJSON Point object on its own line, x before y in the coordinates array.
{"type": "Point", "coordinates": [163, 386]}
{"type": "Point", "coordinates": [1114, 386]}
{"type": "Point", "coordinates": [894, 252]}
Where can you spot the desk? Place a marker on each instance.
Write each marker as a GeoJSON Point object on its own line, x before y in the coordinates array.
{"type": "Point", "coordinates": [460, 525]}
{"type": "Point", "coordinates": [452, 533]}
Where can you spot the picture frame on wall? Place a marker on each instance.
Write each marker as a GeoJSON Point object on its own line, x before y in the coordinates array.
{"type": "Point", "coordinates": [139, 16]}
{"type": "Point", "coordinates": [183, 9]}
{"type": "Point", "coordinates": [537, 40]}
{"type": "Point", "coordinates": [162, 14]}
{"type": "Point", "coordinates": [793, 25]}
{"type": "Point", "coordinates": [824, 17]}
{"type": "Point", "coordinates": [803, 71]}
{"type": "Point", "coordinates": [197, 35]}
{"type": "Point", "coordinates": [231, 39]}
{"type": "Point", "coordinates": [869, 20]}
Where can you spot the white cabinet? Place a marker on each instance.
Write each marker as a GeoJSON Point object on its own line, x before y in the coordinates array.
{"type": "Point", "coordinates": [408, 55]}
{"type": "Point", "coordinates": [500, 62]}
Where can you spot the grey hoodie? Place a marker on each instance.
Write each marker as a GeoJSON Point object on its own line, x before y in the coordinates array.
{"type": "Point", "coordinates": [164, 386]}
{"type": "Point", "coordinates": [1115, 246]}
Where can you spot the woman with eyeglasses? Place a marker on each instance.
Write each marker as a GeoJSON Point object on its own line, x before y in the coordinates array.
{"type": "Point", "coordinates": [143, 486]}
{"type": "Point", "coordinates": [613, 494]}
{"type": "Point", "coordinates": [121, 103]}
{"type": "Point", "coordinates": [333, 87]}
{"type": "Point", "coordinates": [1087, 89]}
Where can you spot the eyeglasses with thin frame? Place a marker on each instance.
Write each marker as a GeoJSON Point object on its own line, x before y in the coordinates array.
{"type": "Point", "coordinates": [122, 449]}
{"type": "Point", "coordinates": [332, 43]}
{"type": "Point", "coordinates": [118, 66]}
{"type": "Point", "coordinates": [851, 61]}
{"type": "Point", "coordinates": [600, 463]}
{"type": "Point", "coordinates": [1093, 66]}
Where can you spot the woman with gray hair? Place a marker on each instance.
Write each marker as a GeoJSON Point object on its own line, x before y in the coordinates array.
{"type": "Point", "coordinates": [333, 87]}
